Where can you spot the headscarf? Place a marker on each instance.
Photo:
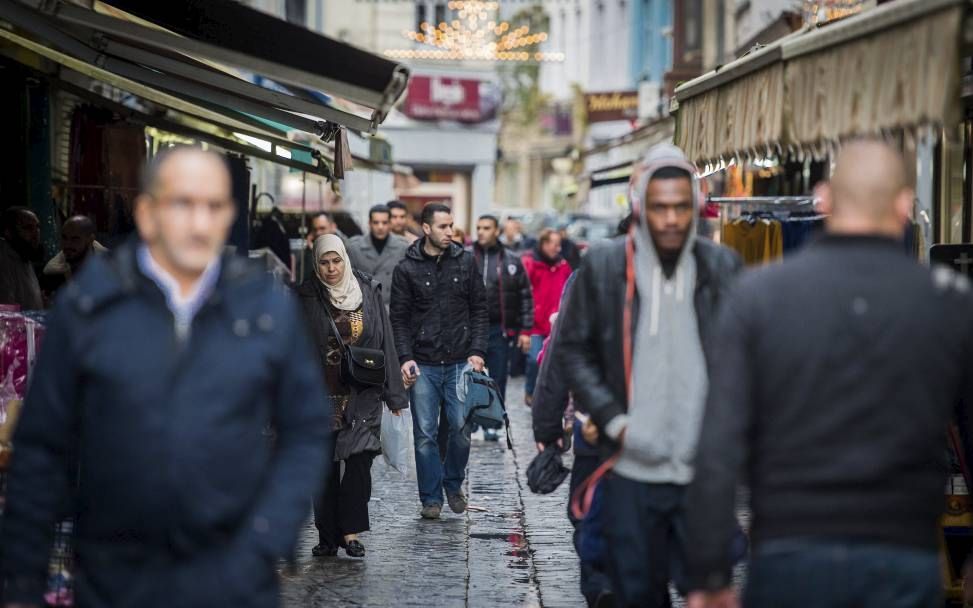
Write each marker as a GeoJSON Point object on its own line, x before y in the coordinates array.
{"type": "Point", "coordinates": [346, 295]}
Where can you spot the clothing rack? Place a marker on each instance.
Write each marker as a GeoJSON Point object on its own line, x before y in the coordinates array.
{"type": "Point", "coordinates": [775, 201]}
{"type": "Point", "coordinates": [764, 203]}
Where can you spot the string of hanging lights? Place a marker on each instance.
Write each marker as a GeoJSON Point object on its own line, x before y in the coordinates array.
{"type": "Point", "coordinates": [475, 35]}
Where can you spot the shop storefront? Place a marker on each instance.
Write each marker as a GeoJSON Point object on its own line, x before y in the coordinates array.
{"type": "Point", "coordinates": [95, 92]}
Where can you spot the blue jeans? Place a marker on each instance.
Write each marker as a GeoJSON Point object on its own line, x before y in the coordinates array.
{"type": "Point", "coordinates": [435, 390]}
{"type": "Point", "coordinates": [536, 344]}
{"type": "Point", "coordinates": [498, 357]}
{"type": "Point", "coordinates": [802, 573]}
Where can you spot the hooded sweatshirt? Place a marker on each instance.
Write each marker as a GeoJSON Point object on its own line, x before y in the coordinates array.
{"type": "Point", "coordinates": [669, 381]}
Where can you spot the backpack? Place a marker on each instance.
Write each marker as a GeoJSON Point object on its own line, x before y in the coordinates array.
{"type": "Point", "coordinates": [484, 405]}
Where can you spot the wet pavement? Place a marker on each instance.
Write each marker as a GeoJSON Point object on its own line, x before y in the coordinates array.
{"type": "Point", "coordinates": [512, 548]}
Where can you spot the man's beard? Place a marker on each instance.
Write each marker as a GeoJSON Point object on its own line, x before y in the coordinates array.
{"type": "Point", "coordinates": [26, 251]}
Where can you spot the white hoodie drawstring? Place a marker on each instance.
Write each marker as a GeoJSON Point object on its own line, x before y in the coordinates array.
{"type": "Point", "coordinates": [656, 296]}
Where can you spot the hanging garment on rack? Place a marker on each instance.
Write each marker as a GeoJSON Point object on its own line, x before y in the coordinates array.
{"type": "Point", "coordinates": [799, 228]}
{"type": "Point", "coordinates": [757, 240]}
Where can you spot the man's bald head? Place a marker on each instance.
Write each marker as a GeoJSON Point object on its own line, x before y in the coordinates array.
{"type": "Point", "coordinates": [77, 238]}
{"type": "Point", "coordinates": [160, 164]}
{"type": "Point", "coordinates": [868, 192]}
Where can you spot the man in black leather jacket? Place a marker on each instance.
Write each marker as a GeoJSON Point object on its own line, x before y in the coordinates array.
{"type": "Point", "coordinates": [440, 321]}
{"type": "Point", "coordinates": [509, 299]}
{"type": "Point", "coordinates": [644, 390]}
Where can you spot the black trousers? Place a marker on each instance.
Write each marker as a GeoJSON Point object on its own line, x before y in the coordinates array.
{"type": "Point", "coordinates": [645, 530]}
{"type": "Point", "coordinates": [343, 506]}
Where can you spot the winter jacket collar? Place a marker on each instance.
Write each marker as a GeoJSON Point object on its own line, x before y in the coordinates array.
{"type": "Point", "coordinates": [416, 251]}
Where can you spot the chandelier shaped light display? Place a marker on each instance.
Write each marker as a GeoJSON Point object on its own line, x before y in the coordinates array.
{"type": "Point", "coordinates": [475, 35]}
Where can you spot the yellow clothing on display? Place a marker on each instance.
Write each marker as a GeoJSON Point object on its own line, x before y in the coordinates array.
{"type": "Point", "coordinates": [758, 242]}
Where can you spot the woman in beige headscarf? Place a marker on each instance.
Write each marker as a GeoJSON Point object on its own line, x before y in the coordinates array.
{"type": "Point", "coordinates": [354, 302]}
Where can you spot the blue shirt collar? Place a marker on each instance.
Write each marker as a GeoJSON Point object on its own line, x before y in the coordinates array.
{"type": "Point", "coordinates": [183, 308]}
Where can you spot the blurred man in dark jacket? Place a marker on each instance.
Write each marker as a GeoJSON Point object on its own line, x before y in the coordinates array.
{"type": "Point", "coordinates": [834, 377]}
{"type": "Point", "coordinates": [165, 363]}
{"type": "Point", "coordinates": [631, 348]}
{"type": "Point", "coordinates": [509, 300]}
{"type": "Point", "coordinates": [20, 247]}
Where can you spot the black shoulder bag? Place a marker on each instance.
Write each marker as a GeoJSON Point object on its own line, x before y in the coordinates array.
{"type": "Point", "coordinates": [360, 367]}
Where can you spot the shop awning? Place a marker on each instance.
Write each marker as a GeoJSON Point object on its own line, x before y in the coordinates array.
{"type": "Point", "coordinates": [76, 74]}
{"type": "Point", "coordinates": [181, 46]}
{"type": "Point", "coordinates": [895, 66]}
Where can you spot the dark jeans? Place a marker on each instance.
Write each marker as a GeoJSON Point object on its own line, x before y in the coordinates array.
{"type": "Point", "coordinates": [836, 574]}
{"type": "Point", "coordinates": [594, 579]}
{"type": "Point", "coordinates": [645, 530]}
{"type": "Point", "coordinates": [343, 506]}
{"type": "Point", "coordinates": [498, 357]}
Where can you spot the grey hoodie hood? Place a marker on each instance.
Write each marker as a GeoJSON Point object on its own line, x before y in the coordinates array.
{"type": "Point", "coordinates": [661, 156]}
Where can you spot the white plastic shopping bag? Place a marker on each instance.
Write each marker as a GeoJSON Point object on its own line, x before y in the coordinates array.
{"type": "Point", "coordinates": [396, 439]}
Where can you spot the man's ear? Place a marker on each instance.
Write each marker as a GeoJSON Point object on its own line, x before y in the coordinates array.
{"type": "Point", "coordinates": [903, 205]}
{"type": "Point", "coordinates": [142, 213]}
{"type": "Point", "coordinates": [426, 229]}
{"type": "Point", "coordinates": [824, 197]}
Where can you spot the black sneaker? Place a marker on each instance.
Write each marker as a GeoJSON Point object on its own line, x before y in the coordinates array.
{"type": "Point", "coordinates": [457, 503]}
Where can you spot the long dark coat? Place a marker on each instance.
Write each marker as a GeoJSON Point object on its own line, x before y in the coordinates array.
{"type": "Point", "coordinates": [363, 416]}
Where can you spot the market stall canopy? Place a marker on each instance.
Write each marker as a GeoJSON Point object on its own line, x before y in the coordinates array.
{"type": "Point", "coordinates": [895, 66]}
{"type": "Point", "coordinates": [181, 46]}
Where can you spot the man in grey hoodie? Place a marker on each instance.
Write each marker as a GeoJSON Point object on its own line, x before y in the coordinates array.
{"type": "Point", "coordinates": [641, 374]}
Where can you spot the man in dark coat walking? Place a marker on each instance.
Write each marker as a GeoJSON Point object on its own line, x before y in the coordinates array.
{"type": "Point", "coordinates": [510, 303]}
{"type": "Point", "coordinates": [165, 364]}
{"type": "Point", "coordinates": [836, 374]}
{"type": "Point", "coordinates": [440, 320]}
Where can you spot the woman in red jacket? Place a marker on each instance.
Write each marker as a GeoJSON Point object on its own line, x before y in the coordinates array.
{"type": "Point", "coordinates": [548, 273]}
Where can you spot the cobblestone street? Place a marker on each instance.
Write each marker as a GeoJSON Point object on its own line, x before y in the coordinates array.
{"type": "Point", "coordinates": [513, 548]}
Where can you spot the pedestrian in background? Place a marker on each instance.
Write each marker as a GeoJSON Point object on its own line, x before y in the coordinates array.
{"type": "Point", "coordinates": [552, 401]}
{"type": "Point", "coordinates": [514, 239]}
{"type": "Point", "coordinates": [321, 223]}
{"type": "Point", "coordinates": [273, 236]}
{"type": "Point", "coordinates": [439, 315]}
{"type": "Point", "coordinates": [569, 249]}
{"type": "Point", "coordinates": [20, 248]}
{"type": "Point", "coordinates": [835, 374]}
{"type": "Point", "coordinates": [548, 272]}
{"type": "Point", "coordinates": [166, 361]}
{"type": "Point", "coordinates": [350, 302]}
{"type": "Point", "coordinates": [399, 221]}
{"type": "Point", "coordinates": [631, 349]}
{"type": "Point", "coordinates": [378, 252]}
{"type": "Point", "coordinates": [77, 243]}
{"type": "Point", "coordinates": [459, 236]}
{"type": "Point", "coordinates": [510, 301]}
